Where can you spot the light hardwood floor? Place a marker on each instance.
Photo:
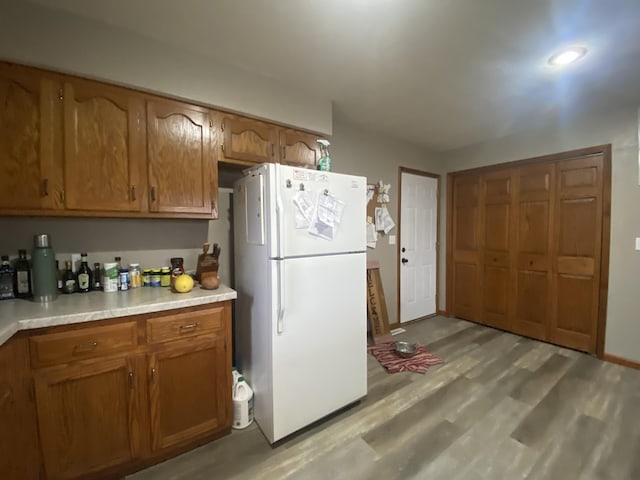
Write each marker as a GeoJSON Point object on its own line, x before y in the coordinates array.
{"type": "Point", "coordinates": [501, 407]}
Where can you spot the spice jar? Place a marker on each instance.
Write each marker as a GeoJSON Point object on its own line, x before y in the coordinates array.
{"type": "Point", "coordinates": [165, 278]}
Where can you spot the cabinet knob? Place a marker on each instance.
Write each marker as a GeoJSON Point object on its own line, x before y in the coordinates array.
{"type": "Point", "coordinates": [133, 193]}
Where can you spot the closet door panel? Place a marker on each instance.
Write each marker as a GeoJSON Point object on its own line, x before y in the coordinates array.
{"type": "Point", "coordinates": [532, 249]}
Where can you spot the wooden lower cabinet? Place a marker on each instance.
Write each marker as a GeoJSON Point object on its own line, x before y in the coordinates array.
{"type": "Point", "coordinates": [188, 391]}
{"type": "Point", "coordinates": [87, 415]}
{"type": "Point", "coordinates": [139, 402]}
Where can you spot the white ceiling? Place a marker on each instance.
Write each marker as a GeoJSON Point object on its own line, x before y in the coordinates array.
{"type": "Point", "coordinates": [438, 73]}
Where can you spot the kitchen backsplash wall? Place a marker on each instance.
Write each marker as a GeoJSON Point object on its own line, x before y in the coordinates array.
{"type": "Point", "coordinates": [149, 242]}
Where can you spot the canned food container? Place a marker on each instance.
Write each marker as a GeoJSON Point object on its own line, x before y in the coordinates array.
{"type": "Point", "coordinates": [146, 277]}
{"type": "Point", "coordinates": [110, 278]}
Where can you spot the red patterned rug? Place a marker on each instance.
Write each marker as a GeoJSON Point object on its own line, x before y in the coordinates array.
{"type": "Point", "coordinates": [390, 360]}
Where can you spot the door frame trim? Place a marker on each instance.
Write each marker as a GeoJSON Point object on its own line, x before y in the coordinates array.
{"type": "Point", "coordinates": [605, 151]}
{"type": "Point", "coordinates": [421, 173]}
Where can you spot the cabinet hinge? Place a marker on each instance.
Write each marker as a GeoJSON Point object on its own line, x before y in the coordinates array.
{"type": "Point", "coordinates": [222, 126]}
{"type": "Point", "coordinates": [225, 344]}
{"type": "Point", "coordinates": [60, 95]}
{"type": "Point", "coordinates": [226, 412]}
{"type": "Point", "coordinates": [211, 123]}
{"type": "Point", "coordinates": [32, 391]}
{"type": "Point", "coordinates": [222, 147]}
{"type": "Point", "coordinates": [273, 150]}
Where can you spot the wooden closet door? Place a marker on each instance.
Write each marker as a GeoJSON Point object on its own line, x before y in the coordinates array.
{"type": "Point", "coordinates": [466, 249]}
{"type": "Point", "coordinates": [577, 252]}
{"type": "Point", "coordinates": [496, 234]}
{"type": "Point", "coordinates": [531, 275]}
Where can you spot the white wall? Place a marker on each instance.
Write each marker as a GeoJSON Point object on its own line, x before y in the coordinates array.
{"type": "Point", "coordinates": [34, 35]}
{"type": "Point", "coordinates": [620, 128]}
{"type": "Point", "coordinates": [359, 152]}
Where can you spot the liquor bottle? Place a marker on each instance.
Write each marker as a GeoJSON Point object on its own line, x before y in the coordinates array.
{"type": "Point", "coordinates": [6, 278]}
{"type": "Point", "coordinates": [69, 279]}
{"type": "Point", "coordinates": [60, 278]}
{"type": "Point", "coordinates": [85, 275]}
{"type": "Point", "coordinates": [22, 276]}
{"type": "Point", "coordinates": [97, 276]}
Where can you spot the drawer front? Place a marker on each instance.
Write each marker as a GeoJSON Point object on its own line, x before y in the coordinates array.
{"type": "Point", "coordinates": [184, 325]}
{"type": "Point", "coordinates": [89, 342]}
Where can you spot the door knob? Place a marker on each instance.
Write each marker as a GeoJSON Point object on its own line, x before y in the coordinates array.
{"type": "Point", "coordinates": [404, 260]}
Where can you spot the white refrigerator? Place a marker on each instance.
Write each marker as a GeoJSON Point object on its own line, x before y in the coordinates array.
{"type": "Point", "coordinates": [300, 274]}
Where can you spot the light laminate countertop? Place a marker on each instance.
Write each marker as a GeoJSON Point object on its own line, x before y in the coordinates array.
{"type": "Point", "coordinates": [18, 315]}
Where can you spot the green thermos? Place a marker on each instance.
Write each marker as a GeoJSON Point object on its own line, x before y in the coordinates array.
{"type": "Point", "coordinates": [45, 277]}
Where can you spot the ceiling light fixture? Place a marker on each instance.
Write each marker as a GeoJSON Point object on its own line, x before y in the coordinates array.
{"type": "Point", "coordinates": [567, 56]}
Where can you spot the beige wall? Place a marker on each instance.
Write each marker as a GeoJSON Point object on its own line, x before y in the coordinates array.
{"type": "Point", "coordinates": [358, 152]}
{"type": "Point", "coordinates": [34, 35]}
{"type": "Point", "coordinates": [620, 128]}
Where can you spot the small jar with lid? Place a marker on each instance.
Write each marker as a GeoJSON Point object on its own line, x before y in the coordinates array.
{"type": "Point", "coordinates": [146, 277]}
{"type": "Point", "coordinates": [135, 277]}
{"type": "Point", "coordinates": [155, 277]}
{"type": "Point", "coordinates": [124, 282]}
{"type": "Point", "coordinates": [165, 277]}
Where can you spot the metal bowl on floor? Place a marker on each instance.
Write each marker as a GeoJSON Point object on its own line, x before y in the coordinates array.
{"type": "Point", "coordinates": [405, 349]}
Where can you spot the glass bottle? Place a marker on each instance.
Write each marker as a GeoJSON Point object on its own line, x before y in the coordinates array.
{"type": "Point", "coordinates": [69, 279]}
{"type": "Point", "coordinates": [97, 277]}
{"type": "Point", "coordinates": [22, 276]}
{"type": "Point", "coordinates": [85, 275]}
{"type": "Point", "coordinates": [118, 261]}
{"type": "Point", "coordinates": [60, 274]}
{"type": "Point", "coordinates": [6, 278]}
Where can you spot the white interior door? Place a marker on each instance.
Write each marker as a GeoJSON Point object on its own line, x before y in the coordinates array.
{"type": "Point", "coordinates": [418, 249]}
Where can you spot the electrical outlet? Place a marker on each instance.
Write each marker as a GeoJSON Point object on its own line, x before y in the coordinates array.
{"type": "Point", "coordinates": [392, 239]}
{"type": "Point", "coordinates": [637, 243]}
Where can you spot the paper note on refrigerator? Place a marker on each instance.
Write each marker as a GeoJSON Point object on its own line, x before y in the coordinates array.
{"type": "Point", "coordinates": [326, 216]}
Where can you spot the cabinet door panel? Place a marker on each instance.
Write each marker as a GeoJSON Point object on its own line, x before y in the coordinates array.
{"type": "Point", "coordinates": [248, 141]}
{"type": "Point", "coordinates": [87, 416]}
{"type": "Point", "coordinates": [180, 158]}
{"type": "Point", "coordinates": [190, 391]}
{"type": "Point", "coordinates": [104, 147]}
{"type": "Point", "coordinates": [299, 148]}
{"type": "Point", "coordinates": [28, 145]}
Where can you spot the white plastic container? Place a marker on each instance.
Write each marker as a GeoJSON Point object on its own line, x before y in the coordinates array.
{"type": "Point", "coordinates": [242, 404]}
{"type": "Point", "coordinates": [110, 279]}
{"type": "Point", "coordinates": [235, 375]}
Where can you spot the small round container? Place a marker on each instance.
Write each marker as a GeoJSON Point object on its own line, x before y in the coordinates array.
{"type": "Point", "coordinates": [124, 280]}
{"type": "Point", "coordinates": [155, 277]}
{"type": "Point", "coordinates": [135, 277]}
{"type": "Point", "coordinates": [165, 277]}
{"type": "Point", "coordinates": [405, 349]}
{"type": "Point", "coordinates": [146, 277]}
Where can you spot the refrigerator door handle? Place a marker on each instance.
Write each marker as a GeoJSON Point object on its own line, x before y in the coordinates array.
{"type": "Point", "coordinates": [281, 298]}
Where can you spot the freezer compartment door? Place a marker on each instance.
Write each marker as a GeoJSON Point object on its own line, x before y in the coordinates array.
{"type": "Point", "coordinates": [320, 339]}
{"type": "Point", "coordinates": [295, 187]}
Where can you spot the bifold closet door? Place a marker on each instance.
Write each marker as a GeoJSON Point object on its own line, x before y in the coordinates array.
{"type": "Point", "coordinates": [532, 273]}
{"type": "Point", "coordinates": [577, 252]}
{"type": "Point", "coordinates": [496, 231]}
{"type": "Point", "coordinates": [465, 246]}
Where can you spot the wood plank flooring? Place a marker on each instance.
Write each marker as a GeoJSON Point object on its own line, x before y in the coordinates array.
{"type": "Point", "coordinates": [501, 407]}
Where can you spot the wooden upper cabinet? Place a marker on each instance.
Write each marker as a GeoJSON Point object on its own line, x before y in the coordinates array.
{"type": "Point", "coordinates": [299, 148]}
{"type": "Point", "coordinates": [28, 142]}
{"type": "Point", "coordinates": [103, 147]}
{"type": "Point", "coordinates": [181, 164]}
{"type": "Point", "coordinates": [247, 141]}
